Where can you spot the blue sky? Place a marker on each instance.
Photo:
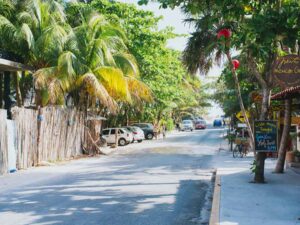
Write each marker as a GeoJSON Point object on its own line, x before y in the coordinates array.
{"type": "Point", "coordinates": [172, 18]}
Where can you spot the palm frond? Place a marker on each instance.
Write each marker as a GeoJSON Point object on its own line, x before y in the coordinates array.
{"type": "Point", "coordinates": [127, 63]}
{"type": "Point", "coordinates": [139, 90]}
{"type": "Point", "coordinates": [114, 82]}
{"type": "Point", "coordinates": [7, 29]}
{"type": "Point", "coordinates": [66, 65]}
{"type": "Point", "coordinates": [51, 43]}
{"type": "Point", "coordinates": [26, 34]}
{"type": "Point", "coordinates": [43, 76]}
{"type": "Point", "coordinates": [55, 91]}
{"type": "Point", "coordinates": [201, 46]}
{"type": "Point", "coordinates": [6, 8]}
{"type": "Point", "coordinates": [95, 89]}
{"type": "Point", "coordinates": [199, 51]}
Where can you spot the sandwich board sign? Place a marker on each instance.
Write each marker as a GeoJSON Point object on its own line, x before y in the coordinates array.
{"type": "Point", "coordinates": [265, 136]}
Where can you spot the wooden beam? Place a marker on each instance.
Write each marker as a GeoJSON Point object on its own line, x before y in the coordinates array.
{"type": "Point", "coordinates": [7, 65]}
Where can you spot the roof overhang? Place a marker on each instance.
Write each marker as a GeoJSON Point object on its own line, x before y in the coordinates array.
{"type": "Point", "coordinates": [291, 92]}
{"type": "Point", "coordinates": [7, 65]}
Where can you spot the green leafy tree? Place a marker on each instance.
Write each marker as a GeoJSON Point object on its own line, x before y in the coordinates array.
{"type": "Point", "coordinates": [262, 31]}
{"type": "Point", "coordinates": [160, 68]}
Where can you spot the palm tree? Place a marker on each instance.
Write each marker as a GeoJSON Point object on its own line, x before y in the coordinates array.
{"type": "Point", "coordinates": [89, 63]}
{"type": "Point", "coordinates": [95, 66]}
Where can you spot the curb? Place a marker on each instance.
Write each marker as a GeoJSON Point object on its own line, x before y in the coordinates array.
{"type": "Point", "coordinates": [215, 209]}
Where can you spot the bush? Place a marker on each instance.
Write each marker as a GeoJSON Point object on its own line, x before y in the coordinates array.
{"type": "Point", "coordinates": [170, 124]}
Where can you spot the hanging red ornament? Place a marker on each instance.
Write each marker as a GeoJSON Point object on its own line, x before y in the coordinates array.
{"type": "Point", "coordinates": [224, 32]}
{"type": "Point", "coordinates": [236, 63]}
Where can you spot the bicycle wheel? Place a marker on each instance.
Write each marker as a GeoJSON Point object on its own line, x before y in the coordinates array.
{"type": "Point", "coordinates": [236, 151]}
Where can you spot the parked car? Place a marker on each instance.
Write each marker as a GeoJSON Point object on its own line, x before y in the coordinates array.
{"type": "Point", "coordinates": [124, 136]}
{"type": "Point", "coordinates": [147, 128]}
{"type": "Point", "coordinates": [200, 124]}
{"type": "Point", "coordinates": [187, 125]}
{"type": "Point", "coordinates": [138, 133]}
{"type": "Point", "coordinates": [217, 123]}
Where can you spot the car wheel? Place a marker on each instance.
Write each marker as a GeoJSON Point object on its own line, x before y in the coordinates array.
{"type": "Point", "coordinates": [149, 136]}
{"type": "Point", "coordinates": [132, 141]}
{"type": "Point", "coordinates": [139, 141]}
{"type": "Point", "coordinates": [122, 142]}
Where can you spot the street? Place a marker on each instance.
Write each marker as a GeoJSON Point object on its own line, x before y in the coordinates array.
{"type": "Point", "coordinates": [156, 182]}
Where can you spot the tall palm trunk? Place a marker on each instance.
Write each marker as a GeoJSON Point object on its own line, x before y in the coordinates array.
{"type": "Point", "coordinates": [284, 137]}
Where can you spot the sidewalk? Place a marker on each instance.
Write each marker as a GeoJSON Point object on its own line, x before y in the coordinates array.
{"type": "Point", "coordinates": [243, 203]}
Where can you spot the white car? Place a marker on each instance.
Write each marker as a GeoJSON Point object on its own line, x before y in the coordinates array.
{"type": "Point", "coordinates": [187, 125]}
{"type": "Point", "coordinates": [124, 137]}
{"type": "Point", "coordinates": [138, 133]}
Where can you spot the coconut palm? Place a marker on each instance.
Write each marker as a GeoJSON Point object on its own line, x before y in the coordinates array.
{"type": "Point", "coordinates": [202, 49]}
{"type": "Point", "coordinates": [96, 65]}
{"type": "Point", "coordinates": [88, 63]}
{"type": "Point", "coordinates": [34, 30]}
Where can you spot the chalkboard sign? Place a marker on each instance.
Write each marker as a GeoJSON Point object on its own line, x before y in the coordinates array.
{"type": "Point", "coordinates": [265, 134]}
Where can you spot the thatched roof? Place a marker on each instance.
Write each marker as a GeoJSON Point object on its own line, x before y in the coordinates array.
{"type": "Point", "coordinates": [291, 92]}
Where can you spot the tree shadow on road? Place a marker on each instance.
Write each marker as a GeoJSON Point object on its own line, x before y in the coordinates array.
{"type": "Point", "coordinates": [140, 190]}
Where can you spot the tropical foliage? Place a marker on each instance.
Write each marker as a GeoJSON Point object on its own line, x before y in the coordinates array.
{"type": "Point", "coordinates": [104, 56]}
{"type": "Point", "coordinates": [261, 31]}
{"type": "Point", "coordinates": [175, 93]}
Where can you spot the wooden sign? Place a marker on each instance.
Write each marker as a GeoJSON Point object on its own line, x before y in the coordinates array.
{"type": "Point", "coordinates": [286, 71]}
{"type": "Point", "coordinates": [265, 136]}
{"type": "Point", "coordinates": [294, 120]}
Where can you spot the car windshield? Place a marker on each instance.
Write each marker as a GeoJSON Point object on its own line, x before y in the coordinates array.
{"type": "Point", "coordinates": [128, 128]}
{"type": "Point", "coordinates": [186, 122]}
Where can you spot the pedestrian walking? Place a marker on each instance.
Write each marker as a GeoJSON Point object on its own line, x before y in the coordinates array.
{"type": "Point", "coordinates": [177, 127]}
{"type": "Point", "coordinates": [164, 131]}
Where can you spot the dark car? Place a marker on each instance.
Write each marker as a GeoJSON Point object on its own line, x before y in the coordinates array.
{"type": "Point", "coordinates": [217, 123]}
{"type": "Point", "coordinates": [147, 128]}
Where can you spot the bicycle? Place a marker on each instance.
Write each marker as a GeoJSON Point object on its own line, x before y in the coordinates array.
{"type": "Point", "coordinates": [241, 148]}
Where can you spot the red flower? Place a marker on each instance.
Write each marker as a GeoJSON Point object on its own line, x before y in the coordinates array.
{"type": "Point", "coordinates": [224, 32]}
{"type": "Point", "coordinates": [235, 63]}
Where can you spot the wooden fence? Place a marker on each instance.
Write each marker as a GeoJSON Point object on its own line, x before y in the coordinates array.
{"type": "Point", "coordinates": [3, 142]}
{"type": "Point", "coordinates": [50, 134]}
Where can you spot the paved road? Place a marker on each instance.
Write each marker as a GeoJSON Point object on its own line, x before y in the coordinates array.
{"type": "Point", "coordinates": [163, 182]}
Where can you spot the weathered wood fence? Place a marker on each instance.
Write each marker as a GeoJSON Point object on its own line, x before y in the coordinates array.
{"type": "Point", "coordinates": [3, 142]}
{"type": "Point", "coordinates": [46, 135]}
{"type": "Point", "coordinates": [50, 134]}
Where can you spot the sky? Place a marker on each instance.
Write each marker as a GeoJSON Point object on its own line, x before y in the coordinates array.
{"type": "Point", "coordinates": [175, 18]}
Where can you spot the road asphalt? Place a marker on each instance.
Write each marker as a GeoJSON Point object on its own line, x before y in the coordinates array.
{"type": "Point", "coordinates": [160, 182]}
